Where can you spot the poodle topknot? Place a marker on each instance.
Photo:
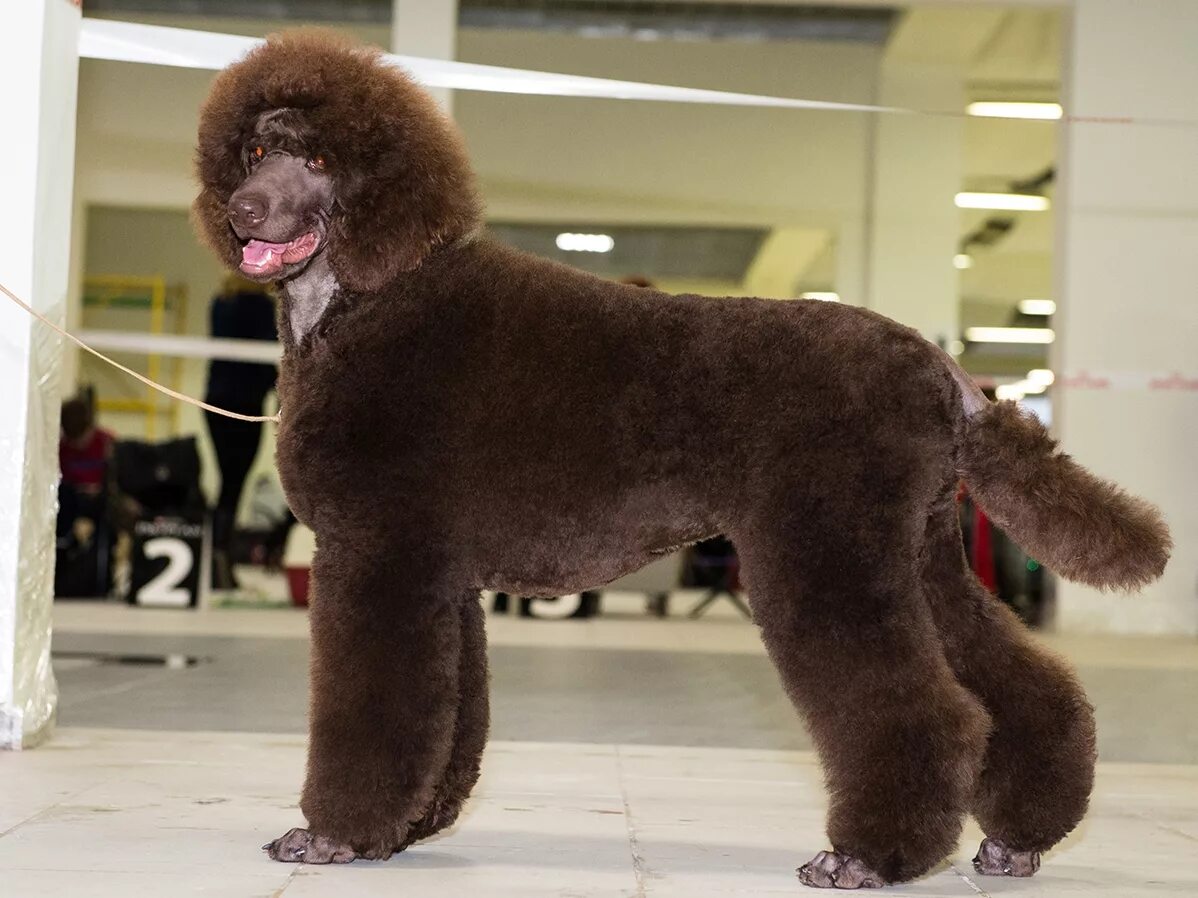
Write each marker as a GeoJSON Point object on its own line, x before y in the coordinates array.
{"type": "Point", "coordinates": [403, 182]}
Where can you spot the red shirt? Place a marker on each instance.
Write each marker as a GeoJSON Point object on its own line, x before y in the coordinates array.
{"type": "Point", "coordinates": [86, 465]}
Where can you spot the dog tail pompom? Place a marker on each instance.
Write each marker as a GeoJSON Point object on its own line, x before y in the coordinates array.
{"type": "Point", "coordinates": [1079, 525]}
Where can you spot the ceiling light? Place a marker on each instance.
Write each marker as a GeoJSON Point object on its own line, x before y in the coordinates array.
{"type": "Point", "coordinates": [1037, 307]}
{"type": "Point", "coordinates": [961, 261]}
{"type": "Point", "coordinates": [1041, 376]}
{"type": "Point", "coordinates": [585, 243]}
{"type": "Point", "coordinates": [1009, 334]}
{"type": "Point", "coordinates": [1007, 202]}
{"type": "Point", "coordinates": [821, 295]}
{"type": "Point", "coordinates": [1043, 111]}
{"type": "Point", "coordinates": [1019, 389]}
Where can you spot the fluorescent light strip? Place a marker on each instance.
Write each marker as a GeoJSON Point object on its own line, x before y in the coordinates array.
{"type": "Point", "coordinates": [1009, 334]}
{"type": "Point", "coordinates": [585, 243]}
{"type": "Point", "coordinates": [1041, 376]}
{"type": "Point", "coordinates": [1009, 202]}
{"type": "Point", "coordinates": [821, 295]}
{"type": "Point", "coordinates": [1019, 389]}
{"type": "Point", "coordinates": [159, 45]}
{"type": "Point", "coordinates": [1037, 111]}
{"type": "Point", "coordinates": [962, 261]}
{"type": "Point", "coordinates": [1037, 307]}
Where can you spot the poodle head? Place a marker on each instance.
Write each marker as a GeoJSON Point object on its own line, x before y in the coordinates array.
{"type": "Point", "coordinates": [313, 144]}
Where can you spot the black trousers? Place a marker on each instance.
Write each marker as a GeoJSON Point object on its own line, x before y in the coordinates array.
{"type": "Point", "coordinates": [236, 444]}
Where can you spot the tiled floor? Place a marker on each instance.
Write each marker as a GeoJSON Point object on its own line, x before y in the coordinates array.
{"type": "Point", "coordinates": [118, 813]}
{"type": "Point", "coordinates": [675, 790]}
{"type": "Point", "coordinates": [630, 680]}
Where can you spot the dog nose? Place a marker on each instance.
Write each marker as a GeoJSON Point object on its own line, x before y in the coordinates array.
{"type": "Point", "coordinates": [247, 211]}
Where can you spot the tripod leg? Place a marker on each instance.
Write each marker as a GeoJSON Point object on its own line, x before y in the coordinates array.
{"type": "Point", "coordinates": [703, 605]}
{"type": "Point", "coordinates": [740, 604]}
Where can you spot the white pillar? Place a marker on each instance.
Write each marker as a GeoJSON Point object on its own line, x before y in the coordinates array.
{"type": "Point", "coordinates": [1127, 207]}
{"type": "Point", "coordinates": [38, 64]}
{"type": "Point", "coordinates": [426, 28]}
{"type": "Point", "coordinates": [913, 225]}
{"type": "Point", "coordinates": [68, 378]}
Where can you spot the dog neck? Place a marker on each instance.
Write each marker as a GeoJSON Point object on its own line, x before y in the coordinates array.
{"type": "Point", "coordinates": [306, 296]}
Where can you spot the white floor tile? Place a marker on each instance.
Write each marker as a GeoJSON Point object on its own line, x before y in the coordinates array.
{"type": "Point", "coordinates": [104, 813]}
{"type": "Point", "coordinates": [208, 880]}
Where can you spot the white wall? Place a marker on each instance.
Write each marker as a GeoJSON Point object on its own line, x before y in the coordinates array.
{"type": "Point", "coordinates": [1129, 266]}
{"type": "Point", "coordinates": [609, 160]}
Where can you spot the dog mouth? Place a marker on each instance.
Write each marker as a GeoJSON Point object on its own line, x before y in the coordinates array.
{"type": "Point", "coordinates": [260, 257]}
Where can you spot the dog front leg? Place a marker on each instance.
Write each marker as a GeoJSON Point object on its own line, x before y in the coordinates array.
{"type": "Point", "coordinates": [384, 677]}
{"type": "Point", "coordinates": [470, 733]}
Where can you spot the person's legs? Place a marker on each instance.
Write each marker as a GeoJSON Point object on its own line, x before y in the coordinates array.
{"type": "Point", "coordinates": [236, 446]}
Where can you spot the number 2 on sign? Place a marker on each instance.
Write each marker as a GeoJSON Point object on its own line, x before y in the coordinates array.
{"type": "Point", "coordinates": [164, 589]}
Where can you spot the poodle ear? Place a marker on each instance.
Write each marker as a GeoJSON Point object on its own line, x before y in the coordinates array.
{"type": "Point", "coordinates": [210, 220]}
{"type": "Point", "coordinates": [402, 190]}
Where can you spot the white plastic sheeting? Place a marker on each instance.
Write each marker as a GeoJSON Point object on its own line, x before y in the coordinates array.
{"type": "Point", "coordinates": [39, 62]}
{"type": "Point", "coordinates": [34, 689]}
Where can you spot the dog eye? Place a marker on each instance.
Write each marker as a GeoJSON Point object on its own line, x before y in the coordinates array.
{"type": "Point", "coordinates": [316, 163]}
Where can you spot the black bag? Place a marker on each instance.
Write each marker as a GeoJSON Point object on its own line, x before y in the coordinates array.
{"type": "Point", "coordinates": [163, 477]}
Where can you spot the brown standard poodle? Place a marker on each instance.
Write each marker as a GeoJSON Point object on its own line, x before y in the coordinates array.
{"type": "Point", "coordinates": [458, 415]}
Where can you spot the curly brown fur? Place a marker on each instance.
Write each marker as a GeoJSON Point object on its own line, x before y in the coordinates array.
{"type": "Point", "coordinates": [1081, 526]}
{"type": "Point", "coordinates": [458, 415]}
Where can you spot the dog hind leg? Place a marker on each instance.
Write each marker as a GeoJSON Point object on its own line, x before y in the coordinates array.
{"type": "Point", "coordinates": [1039, 766]}
{"type": "Point", "coordinates": [900, 740]}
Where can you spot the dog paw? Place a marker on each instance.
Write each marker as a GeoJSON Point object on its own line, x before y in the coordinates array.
{"type": "Point", "coordinates": [996, 859]}
{"type": "Point", "coordinates": [832, 870]}
{"type": "Point", "coordinates": [298, 846]}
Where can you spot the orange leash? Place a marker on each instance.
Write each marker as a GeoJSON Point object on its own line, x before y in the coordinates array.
{"type": "Point", "coordinates": [145, 380]}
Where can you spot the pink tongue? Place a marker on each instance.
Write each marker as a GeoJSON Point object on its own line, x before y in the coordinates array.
{"type": "Point", "coordinates": [260, 254]}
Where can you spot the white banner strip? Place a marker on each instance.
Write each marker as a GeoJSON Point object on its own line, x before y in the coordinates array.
{"type": "Point", "coordinates": [183, 347]}
{"type": "Point", "coordinates": [186, 48]}
{"type": "Point", "coordinates": [158, 45]}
